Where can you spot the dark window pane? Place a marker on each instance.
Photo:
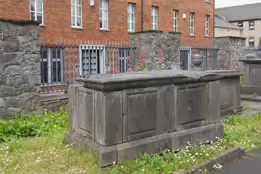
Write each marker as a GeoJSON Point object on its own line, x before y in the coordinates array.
{"type": "Point", "coordinates": [58, 53]}
{"type": "Point", "coordinates": [44, 72]}
{"type": "Point", "coordinates": [32, 16]}
{"type": "Point", "coordinates": [54, 53]}
{"type": "Point", "coordinates": [43, 53]}
{"type": "Point", "coordinates": [56, 76]}
{"type": "Point", "coordinates": [39, 17]}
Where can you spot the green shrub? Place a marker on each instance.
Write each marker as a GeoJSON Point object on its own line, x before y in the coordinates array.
{"type": "Point", "coordinates": [34, 125]}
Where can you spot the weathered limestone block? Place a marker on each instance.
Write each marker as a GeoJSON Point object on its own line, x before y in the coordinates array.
{"type": "Point", "coordinates": [123, 115]}
{"type": "Point", "coordinates": [231, 49]}
{"type": "Point", "coordinates": [229, 91]}
{"type": "Point", "coordinates": [252, 80]}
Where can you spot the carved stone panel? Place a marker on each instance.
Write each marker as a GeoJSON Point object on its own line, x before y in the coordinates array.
{"type": "Point", "coordinates": [227, 94]}
{"type": "Point", "coordinates": [169, 123]}
{"type": "Point", "coordinates": [255, 73]}
{"type": "Point", "coordinates": [192, 103]}
{"type": "Point", "coordinates": [142, 111]}
{"type": "Point", "coordinates": [85, 112]}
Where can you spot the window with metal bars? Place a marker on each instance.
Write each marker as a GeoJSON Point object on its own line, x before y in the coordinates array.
{"type": "Point", "coordinates": [123, 60]}
{"type": "Point", "coordinates": [51, 65]}
{"type": "Point", "coordinates": [92, 60]}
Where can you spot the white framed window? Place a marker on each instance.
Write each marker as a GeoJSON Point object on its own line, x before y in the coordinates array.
{"type": "Point", "coordinates": [240, 24]}
{"type": "Point", "coordinates": [192, 24]}
{"type": "Point", "coordinates": [92, 60]}
{"type": "Point", "coordinates": [104, 14]}
{"type": "Point", "coordinates": [154, 15]}
{"type": "Point", "coordinates": [131, 17]}
{"type": "Point", "coordinates": [175, 20]}
{"type": "Point", "coordinates": [207, 25]}
{"type": "Point", "coordinates": [51, 65]}
{"type": "Point", "coordinates": [76, 13]}
{"type": "Point", "coordinates": [251, 25]}
{"type": "Point", "coordinates": [37, 11]}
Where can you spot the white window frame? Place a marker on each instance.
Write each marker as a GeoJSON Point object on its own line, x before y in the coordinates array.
{"type": "Point", "coordinates": [75, 6]}
{"type": "Point", "coordinates": [192, 24]}
{"type": "Point", "coordinates": [251, 27]}
{"type": "Point", "coordinates": [50, 59]}
{"type": "Point", "coordinates": [154, 15]}
{"type": "Point", "coordinates": [36, 11]}
{"type": "Point", "coordinates": [175, 21]}
{"type": "Point", "coordinates": [104, 10]}
{"type": "Point", "coordinates": [131, 15]}
{"type": "Point", "coordinates": [207, 26]}
{"type": "Point", "coordinates": [100, 48]}
{"type": "Point", "coordinates": [240, 24]}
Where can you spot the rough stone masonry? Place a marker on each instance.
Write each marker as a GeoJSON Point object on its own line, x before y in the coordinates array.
{"type": "Point", "coordinates": [19, 67]}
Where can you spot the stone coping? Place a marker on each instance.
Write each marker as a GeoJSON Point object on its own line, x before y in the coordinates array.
{"type": "Point", "coordinates": [251, 61]}
{"type": "Point", "coordinates": [118, 82]}
{"type": "Point", "coordinates": [154, 31]}
{"type": "Point", "coordinates": [53, 96]}
{"type": "Point", "coordinates": [226, 73]}
{"type": "Point", "coordinates": [25, 22]}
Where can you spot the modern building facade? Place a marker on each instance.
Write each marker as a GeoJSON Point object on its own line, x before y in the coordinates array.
{"type": "Point", "coordinates": [248, 17]}
{"type": "Point", "coordinates": [226, 29]}
{"type": "Point", "coordinates": [115, 19]}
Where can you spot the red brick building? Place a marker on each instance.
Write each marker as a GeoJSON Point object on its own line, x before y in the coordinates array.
{"type": "Point", "coordinates": [193, 18]}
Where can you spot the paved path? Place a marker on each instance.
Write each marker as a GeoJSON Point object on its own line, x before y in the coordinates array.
{"type": "Point", "coordinates": [247, 165]}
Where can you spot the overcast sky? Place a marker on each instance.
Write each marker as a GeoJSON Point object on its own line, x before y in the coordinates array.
{"type": "Point", "coordinates": [227, 3]}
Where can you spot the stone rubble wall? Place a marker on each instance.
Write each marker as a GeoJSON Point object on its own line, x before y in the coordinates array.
{"type": "Point", "coordinates": [152, 42]}
{"type": "Point", "coordinates": [54, 102]}
{"type": "Point", "coordinates": [19, 67]}
{"type": "Point", "coordinates": [231, 49]}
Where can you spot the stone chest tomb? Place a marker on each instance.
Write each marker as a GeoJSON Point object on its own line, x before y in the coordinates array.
{"type": "Point", "coordinates": [121, 116]}
{"type": "Point", "coordinates": [252, 80]}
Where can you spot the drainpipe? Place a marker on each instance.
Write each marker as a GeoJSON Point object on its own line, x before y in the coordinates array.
{"type": "Point", "coordinates": [142, 15]}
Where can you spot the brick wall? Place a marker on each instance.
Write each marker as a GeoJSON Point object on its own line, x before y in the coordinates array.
{"type": "Point", "coordinates": [15, 9]}
{"type": "Point", "coordinates": [58, 19]}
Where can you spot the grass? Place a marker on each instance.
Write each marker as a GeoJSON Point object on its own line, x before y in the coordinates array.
{"type": "Point", "coordinates": [45, 151]}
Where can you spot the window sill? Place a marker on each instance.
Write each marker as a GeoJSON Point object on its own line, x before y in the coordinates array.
{"type": "Point", "coordinates": [78, 28]}
{"type": "Point", "coordinates": [207, 1]}
{"type": "Point", "coordinates": [192, 35]}
{"type": "Point", "coordinates": [41, 25]}
{"type": "Point", "coordinates": [104, 29]}
{"type": "Point", "coordinates": [207, 36]}
{"type": "Point", "coordinates": [131, 32]}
